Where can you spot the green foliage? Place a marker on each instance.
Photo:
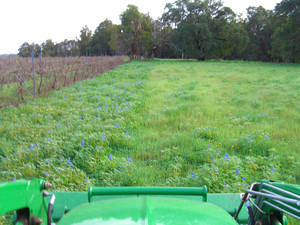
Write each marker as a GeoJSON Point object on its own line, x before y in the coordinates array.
{"type": "Point", "coordinates": [192, 30]}
{"type": "Point", "coordinates": [285, 40]}
{"type": "Point", "coordinates": [159, 123]}
{"type": "Point", "coordinates": [100, 39]}
{"type": "Point", "coordinates": [85, 39]}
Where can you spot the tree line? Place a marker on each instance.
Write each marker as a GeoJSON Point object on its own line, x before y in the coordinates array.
{"type": "Point", "coordinates": [199, 29]}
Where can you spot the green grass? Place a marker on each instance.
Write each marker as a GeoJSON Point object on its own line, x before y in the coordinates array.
{"type": "Point", "coordinates": [223, 124]}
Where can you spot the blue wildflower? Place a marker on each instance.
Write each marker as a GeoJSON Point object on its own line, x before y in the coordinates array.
{"type": "Point", "coordinates": [50, 131]}
{"type": "Point", "coordinates": [20, 138]}
{"type": "Point", "coordinates": [58, 125]}
{"type": "Point", "coordinates": [273, 170]}
{"type": "Point", "coordinates": [46, 174]}
{"type": "Point", "coordinates": [117, 125]}
{"type": "Point", "coordinates": [80, 117]}
{"type": "Point", "coordinates": [31, 148]}
{"type": "Point", "coordinates": [85, 180]}
{"type": "Point", "coordinates": [193, 175]}
{"type": "Point", "coordinates": [212, 158]}
{"type": "Point", "coordinates": [208, 146]}
{"type": "Point", "coordinates": [237, 170]}
{"type": "Point", "coordinates": [224, 183]}
{"type": "Point", "coordinates": [250, 139]}
{"type": "Point", "coordinates": [110, 156]}
{"type": "Point", "coordinates": [129, 159]}
{"type": "Point", "coordinates": [14, 180]}
{"type": "Point", "coordinates": [82, 142]}
{"type": "Point", "coordinates": [127, 133]}
{"type": "Point", "coordinates": [227, 156]}
{"type": "Point", "coordinates": [243, 178]}
{"type": "Point", "coordinates": [267, 138]}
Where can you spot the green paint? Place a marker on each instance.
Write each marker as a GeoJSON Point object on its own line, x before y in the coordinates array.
{"type": "Point", "coordinates": [147, 210]}
{"type": "Point", "coordinates": [147, 191]}
{"type": "Point", "coordinates": [23, 194]}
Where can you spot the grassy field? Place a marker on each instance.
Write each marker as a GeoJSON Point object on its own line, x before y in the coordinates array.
{"type": "Point", "coordinates": [222, 124]}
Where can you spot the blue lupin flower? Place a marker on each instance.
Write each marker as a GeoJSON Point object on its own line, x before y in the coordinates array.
{"type": "Point", "coordinates": [129, 159]}
{"type": "Point", "coordinates": [227, 156]}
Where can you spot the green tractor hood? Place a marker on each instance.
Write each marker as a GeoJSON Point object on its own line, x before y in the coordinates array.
{"type": "Point", "coordinates": [147, 210]}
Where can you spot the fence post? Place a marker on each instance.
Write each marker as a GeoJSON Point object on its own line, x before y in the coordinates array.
{"type": "Point", "coordinates": [33, 73]}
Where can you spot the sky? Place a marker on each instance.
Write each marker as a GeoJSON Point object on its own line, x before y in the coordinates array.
{"type": "Point", "coordinates": [39, 20]}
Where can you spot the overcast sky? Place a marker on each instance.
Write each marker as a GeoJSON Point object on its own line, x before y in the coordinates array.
{"type": "Point", "coordinates": [38, 20]}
